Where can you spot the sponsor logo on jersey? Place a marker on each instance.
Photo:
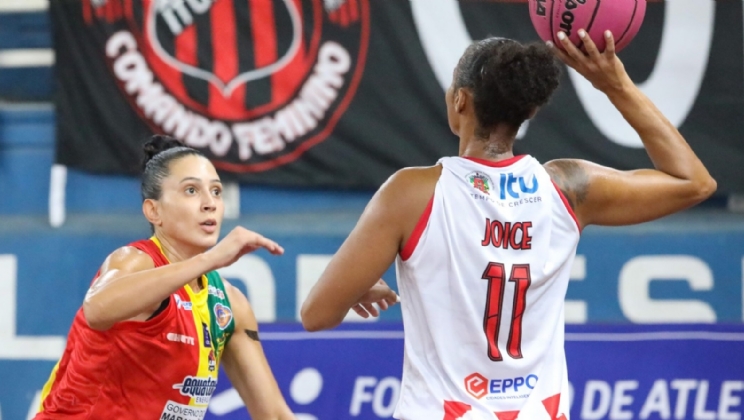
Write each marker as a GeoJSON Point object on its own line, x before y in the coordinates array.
{"type": "Point", "coordinates": [480, 182]}
{"type": "Point", "coordinates": [212, 361]}
{"type": "Point", "coordinates": [176, 411]}
{"type": "Point", "coordinates": [223, 314]}
{"type": "Point", "coordinates": [215, 292]}
{"type": "Point", "coordinates": [508, 184]}
{"type": "Point", "coordinates": [476, 385]}
{"type": "Point", "coordinates": [479, 386]}
{"type": "Point", "coordinates": [182, 304]}
{"type": "Point", "coordinates": [178, 338]}
{"type": "Point", "coordinates": [201, 389]}
{"type": "Point", "coordinates": [207, 337]}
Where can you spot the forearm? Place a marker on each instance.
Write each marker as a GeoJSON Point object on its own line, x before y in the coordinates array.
{"type": "Point", "coordinates": [666, 147]}
{"type": "Point", "coordinates": [119, 298]}
{"type": "Point", "coordinates": [287, 414]}
{"type": "Point", "coordinates": [283, 413]}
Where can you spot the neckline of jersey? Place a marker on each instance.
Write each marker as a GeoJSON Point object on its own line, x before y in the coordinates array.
{"type": "Point", "coordinates": [496, 164]}
{"type": "Point", "coordinates": [188, 288]}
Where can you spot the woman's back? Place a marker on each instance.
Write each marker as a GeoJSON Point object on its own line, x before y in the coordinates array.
{"type": "Point", "coordinates": [483, 280]}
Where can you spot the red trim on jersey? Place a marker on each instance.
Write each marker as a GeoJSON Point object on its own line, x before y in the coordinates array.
{"type": "Point", "coordinates": [413, 241]}
{"type": "Point", "coordinates": [568, 206]}
{"type": "Point", "coordinates": [496, 164]}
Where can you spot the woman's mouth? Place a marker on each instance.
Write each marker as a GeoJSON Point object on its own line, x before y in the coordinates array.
{"type": "Point", "coordinates": [209, 226]}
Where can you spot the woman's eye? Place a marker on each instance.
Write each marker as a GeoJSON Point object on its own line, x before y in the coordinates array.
{"type": "Point", "coordinates": [190, 190]}
{"type": "Point", "coordinates": [217, 192]}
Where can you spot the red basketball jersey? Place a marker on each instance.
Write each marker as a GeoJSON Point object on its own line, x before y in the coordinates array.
{"type": "Point", "coordinates": [163, 368]}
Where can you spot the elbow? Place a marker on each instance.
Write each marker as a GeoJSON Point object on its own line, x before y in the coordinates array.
{"type": "Point", "coordinates": [93, 317]}
{"type": "Point", "coordinates": [310, 322]}
{"type": "Point", "coordinates": [704, 189]}
{"type": "Point", "coordinates": [313, 319]}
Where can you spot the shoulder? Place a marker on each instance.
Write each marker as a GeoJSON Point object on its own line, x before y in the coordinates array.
{"type": "Point", "coordinates": [128, 258]}
{"type": "Point", "coordinates": [572, 176]}
{"type": "Point", "coordinates": [409, 187]}
{"type": "Point", "coordinates": [413, 175]}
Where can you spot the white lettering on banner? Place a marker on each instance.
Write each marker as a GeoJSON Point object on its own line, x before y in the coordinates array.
{"type": "Point", "coordinates": [377, 397]}
{"type": "Point", "coordinates": [20, 347]}
{"type": "Point", "coordinates": [604, 391]}
{"type": "Point", "coordinates": [701, 399]}
{"type": "Point", "coordinates": [309, 269]}
{"type": "Point", "coordinates": [683, 387]}
{"type": "Point", "coordinates": [576, 310]}
{"type": "Point", "coordinates": [255, 273]}
{"type": "Point", "coordinates": [728, 401]}
{"type": "Point", "coordinates": [379, 406]}
{"type": "Point", "coordinates": [657, 401]}
{"type": "Point", "coordinates": [686, 43]}
{"type": "Point", "coordinates": [620, 400]}
{"type": "Point", "coordinates": [265, 136]}
{"type": "Point", "coordinates": [175, 12]}
{"type": "Point", "coordinates": [601, 400]}
{"type": "Point", "coordinates": [637, 275]}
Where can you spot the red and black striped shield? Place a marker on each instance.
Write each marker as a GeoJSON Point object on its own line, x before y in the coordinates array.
{"type": "Point", "coordinates": [230, 54]}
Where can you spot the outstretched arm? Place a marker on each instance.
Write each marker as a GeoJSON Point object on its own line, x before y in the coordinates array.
{"type": "Point", "coordinates": [246, 365]}
{"type": "Point", "coordinates": [130, 288]}
{"type": "Point", "coordinates": [605, 196]}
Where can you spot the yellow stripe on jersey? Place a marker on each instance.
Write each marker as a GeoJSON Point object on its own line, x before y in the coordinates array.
{"type": "Point", "coordinates": [200, 311]}
{"type": "Point", "coordinates": [48, 387]}
{"type": "Point", "coordinates": [202, 321]}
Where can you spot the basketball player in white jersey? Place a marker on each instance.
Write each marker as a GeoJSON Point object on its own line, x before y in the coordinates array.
{"type": "Point", "coordinates": [484, 242]}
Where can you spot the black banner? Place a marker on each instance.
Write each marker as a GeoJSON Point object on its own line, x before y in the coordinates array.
{"type": "Point", "coordinates": [342, 93]}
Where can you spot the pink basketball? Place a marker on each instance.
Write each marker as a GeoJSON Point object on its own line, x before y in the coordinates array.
{"type": "Point", "coordinates": [622, 17]}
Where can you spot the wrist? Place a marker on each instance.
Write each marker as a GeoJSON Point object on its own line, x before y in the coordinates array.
{"type": "Point", "coordinates": [622, 90]}
{"type": "Point", "coordinates": [204, 262]}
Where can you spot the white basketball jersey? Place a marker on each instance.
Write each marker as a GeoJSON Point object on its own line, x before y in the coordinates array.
{"type": "Point", "coordinates": [482, 284]}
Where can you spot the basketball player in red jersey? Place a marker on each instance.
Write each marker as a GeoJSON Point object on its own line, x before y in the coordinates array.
{"type": "Point", "coordinates": [461, 333]}
{"type": "Point", "coordinates": [158, 320]}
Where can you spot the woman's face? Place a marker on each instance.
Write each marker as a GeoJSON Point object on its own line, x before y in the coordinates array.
{"type": "Point", "coordinates": [190, 208]}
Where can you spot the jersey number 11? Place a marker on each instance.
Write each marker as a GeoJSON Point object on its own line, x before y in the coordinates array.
{"type": "Point", "coordinates": [495, 273]}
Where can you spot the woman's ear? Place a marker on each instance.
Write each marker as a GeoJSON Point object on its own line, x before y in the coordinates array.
{"type": "Point", "coordinates": [151, 210]}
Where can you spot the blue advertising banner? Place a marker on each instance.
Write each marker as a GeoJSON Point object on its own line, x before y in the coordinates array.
{"type": "Point", "coordinates": [615, 372]}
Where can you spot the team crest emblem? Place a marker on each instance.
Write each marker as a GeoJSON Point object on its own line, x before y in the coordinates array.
{"type": "Point", "coordinates": [480, 182]}
{"type": "Point", "coordinates": [223, 315]}
{"type": "Point", "coordinates": [252, 84]}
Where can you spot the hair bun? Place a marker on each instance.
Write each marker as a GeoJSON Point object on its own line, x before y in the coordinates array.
{"type": "Point", "coordinates": [512, 80]}
{"type": "Point", "coordinates": [158, 143]}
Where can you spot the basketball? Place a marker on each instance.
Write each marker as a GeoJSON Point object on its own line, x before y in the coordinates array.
{"type": "Point", "coordinates": [622, 17]}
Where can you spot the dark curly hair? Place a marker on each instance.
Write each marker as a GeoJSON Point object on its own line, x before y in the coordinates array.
{"type": "Point", "coordinates": [160, 151]}
{"type": "Point", "coordinates": [508, 80]}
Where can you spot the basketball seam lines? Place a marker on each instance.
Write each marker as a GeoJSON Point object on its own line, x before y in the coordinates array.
{"type": "Point", "coordinates": [632, 18]}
